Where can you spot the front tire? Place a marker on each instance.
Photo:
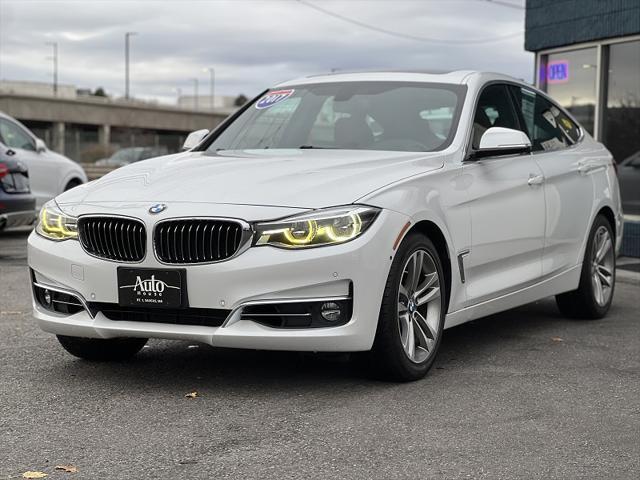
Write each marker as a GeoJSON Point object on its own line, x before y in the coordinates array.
{"type": "Point", "coordinates": [413, 310]}
{"type": "Point", "coordinates": [72, 184]}
{"type": "Point", "coordinates": [594, 295]}
{"type": "Point", "coordinates": [102, 350]}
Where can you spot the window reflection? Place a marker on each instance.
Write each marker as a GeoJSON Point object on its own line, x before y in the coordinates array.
{"type": "Point", "coordinates": [622, 114]}
{"type": "Point", "coordinates": [622, 120]}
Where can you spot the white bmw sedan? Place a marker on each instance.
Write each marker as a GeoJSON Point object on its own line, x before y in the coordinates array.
{"type": "Point", "coordinates": [340, 213]}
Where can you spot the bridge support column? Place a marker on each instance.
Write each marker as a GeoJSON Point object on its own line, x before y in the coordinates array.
{"type": "Point", "coordinates": [104, 138]}
{"type": "Point", "coordinates": [58, 137]}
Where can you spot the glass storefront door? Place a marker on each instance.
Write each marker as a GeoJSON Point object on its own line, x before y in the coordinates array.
{"type": "Point", "coordinates": [622, 120]}
{"type": "Point", "coordinates": [622, 112]}
{"type": "Point", "coordinates": [570, 78]}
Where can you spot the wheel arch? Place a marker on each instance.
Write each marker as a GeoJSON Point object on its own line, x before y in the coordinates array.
{"type": "Point", "coordinates": [437, 237]}
{"type": "Point", "coordinates": [73, 173]}
{"type": "Point", "coordinates": [74, 179]}
{"type": "Point", "coordinates": [607, 212]}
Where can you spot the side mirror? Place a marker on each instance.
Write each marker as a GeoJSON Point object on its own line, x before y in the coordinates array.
{"type": "Point", "coordinates": [194, 138]}
{"type": "Point", "coordinates": [40, 145]}
{"type": "Point", "coordinates": [502, 141]}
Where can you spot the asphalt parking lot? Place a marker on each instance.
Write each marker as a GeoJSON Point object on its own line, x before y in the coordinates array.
{"type": "Point", "coordinates": [522, 394]}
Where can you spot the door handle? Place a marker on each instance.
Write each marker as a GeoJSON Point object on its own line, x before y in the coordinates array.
{"type": "Point", "coordinates": [588, 167]}
{"type": "Point", "coordinates": [535, 179]}
{"type": "Point", "coordinates": [584, 169]}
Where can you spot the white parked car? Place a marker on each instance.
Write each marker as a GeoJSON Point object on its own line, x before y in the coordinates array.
{"type": "Point", "coordinates": [50, 173]}
{"type": "Point", "coordinates": [349, 212]}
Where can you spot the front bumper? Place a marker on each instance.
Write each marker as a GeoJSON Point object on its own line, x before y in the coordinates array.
{"type": "Point", "coordinates": [358, 269]}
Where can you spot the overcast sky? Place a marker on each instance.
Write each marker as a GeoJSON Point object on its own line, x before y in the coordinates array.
{"type": "Point", "coordinates": [252, 44]}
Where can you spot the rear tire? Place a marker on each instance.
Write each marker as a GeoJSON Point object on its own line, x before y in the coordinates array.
{"type": "Point", "coordinates": [102, 350]}
{"type": "Point", "coordinates": [594, 295]}
{"type": "Point", "coordinates": [412, 315]}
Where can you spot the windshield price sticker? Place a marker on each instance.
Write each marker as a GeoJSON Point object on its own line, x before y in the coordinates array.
{"type": "Point", "coordinates": [271, 98]}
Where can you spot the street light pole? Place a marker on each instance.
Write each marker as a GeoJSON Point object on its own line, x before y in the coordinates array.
{"type": "Point", "coordinates": [195, 91]}
{"type": "Point", "coordinates": [212, 77]}
{"type": "Point", "coordinates": [126, 63]}
{"type": "Point", "coordinates": [55, 67]}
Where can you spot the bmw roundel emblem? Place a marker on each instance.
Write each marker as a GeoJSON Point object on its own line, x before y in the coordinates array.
{"type": "Point", "coordinates": [157, 208]}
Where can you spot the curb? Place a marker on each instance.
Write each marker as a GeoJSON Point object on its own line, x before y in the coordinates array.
{"type": "Point", "coordinates": [627, 276]}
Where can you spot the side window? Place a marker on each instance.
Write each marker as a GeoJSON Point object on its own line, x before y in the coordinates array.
{"type": "Point", "coordinates": [547, 127]}
{"type": "Point", "coordinates": [494, 109]}
{"type": "Point", "coordinates": [15, 137]}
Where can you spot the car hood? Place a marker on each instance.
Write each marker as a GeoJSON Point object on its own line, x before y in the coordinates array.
{"type": "Point", "coordinates": [294, 178]}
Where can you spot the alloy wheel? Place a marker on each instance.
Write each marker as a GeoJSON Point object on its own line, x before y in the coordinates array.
{"type": "Point", "coordinates": [602, 266]}
{"type": "Point", "coordinates": [419, 306]}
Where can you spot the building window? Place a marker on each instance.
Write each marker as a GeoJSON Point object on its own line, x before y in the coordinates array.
{"type": "Point", "coordinates": [622, 112]}
{"type": "Point", "coordinates": [570, 78]}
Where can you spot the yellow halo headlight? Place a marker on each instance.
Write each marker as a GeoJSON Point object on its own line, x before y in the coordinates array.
{"type": "Point", "coordinates": [301, 233]}
{"type": "Point", "coordinates": [319, 228]}
{"type": "Point", "coordinates": [55, 224]}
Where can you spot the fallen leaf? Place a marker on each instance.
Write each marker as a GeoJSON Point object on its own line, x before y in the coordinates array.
{"type": "Point", "coordinates": [191, 395]}
{"type": "Point", "coordinates": [556, 339]}
{"type": "Point", "coordinates": [67, 468]}
{"type": "Point", "coordinates": [31, 474]}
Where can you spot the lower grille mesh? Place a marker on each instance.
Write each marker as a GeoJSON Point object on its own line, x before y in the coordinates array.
{"type": "Point", "coordinates": [204, 317]}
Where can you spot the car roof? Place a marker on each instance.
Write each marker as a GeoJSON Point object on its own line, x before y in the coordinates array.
{"type": "Point", "coordinates": [426, 76]}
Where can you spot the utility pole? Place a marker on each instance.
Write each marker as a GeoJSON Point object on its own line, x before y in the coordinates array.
{"type": "Point", "coordinates": [55, 67]}
{"type": "Point", "coordinates": [126, 63]}
{"type": "Point", "coordinates": [195, 93]}
{"type": "Point", "coordinates": [212, 77]}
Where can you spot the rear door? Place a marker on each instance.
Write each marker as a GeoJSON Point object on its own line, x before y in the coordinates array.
{"type": "Point", "coordinates": [506, 203]}
{"type": "Point", "coordinates": [568, 171]}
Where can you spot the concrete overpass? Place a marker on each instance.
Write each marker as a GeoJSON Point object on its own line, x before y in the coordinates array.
{"type": "Point", "coordinates": [94, 126]}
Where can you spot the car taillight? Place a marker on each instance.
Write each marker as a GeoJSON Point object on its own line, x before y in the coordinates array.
{"type": "Point", "coordinates": [615, 165]}
{"type": "Point", "coordinates": [4, 170]}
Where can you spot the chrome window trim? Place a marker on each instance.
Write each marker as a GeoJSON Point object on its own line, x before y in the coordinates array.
{"type": "Point", "coordinates": [537, 91]}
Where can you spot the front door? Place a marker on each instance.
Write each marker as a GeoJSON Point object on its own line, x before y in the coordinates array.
{"type": "Point", "coordinates": [507, 208]}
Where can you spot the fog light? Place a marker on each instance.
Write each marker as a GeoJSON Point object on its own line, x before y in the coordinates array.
{"type": "Point", "coordinates": [47, 298]}
{"type": "Point", "coordinates": [330, 311]}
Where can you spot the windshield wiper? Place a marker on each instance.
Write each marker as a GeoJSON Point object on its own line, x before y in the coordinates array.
{"type": "Point", "coordinates": [309, 147]}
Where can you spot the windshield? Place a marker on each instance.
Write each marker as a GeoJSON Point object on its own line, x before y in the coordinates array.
{"type": "Point", "coordinates": [397, 116]}
{"type": "Point", "coordinates": [126, 154]}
